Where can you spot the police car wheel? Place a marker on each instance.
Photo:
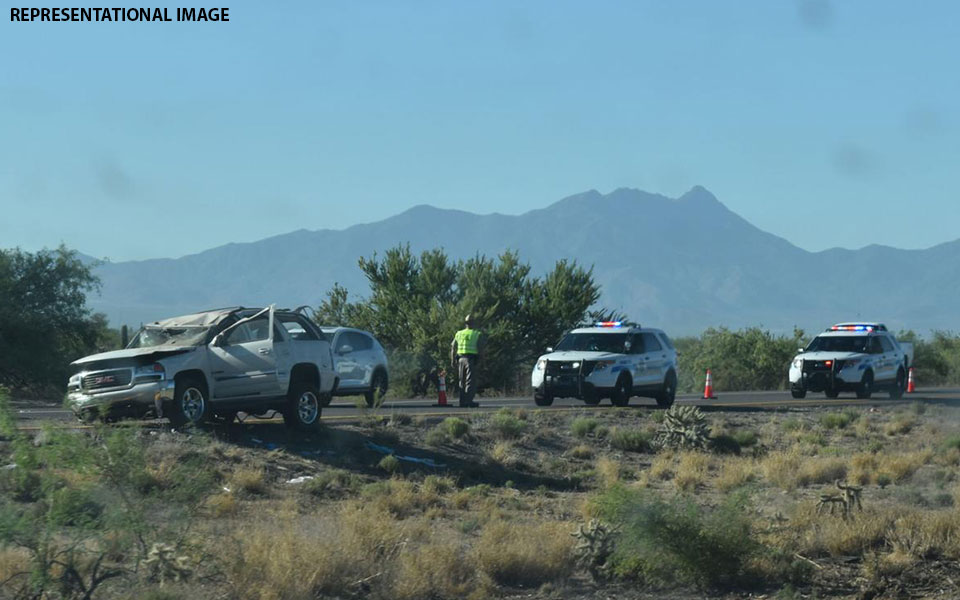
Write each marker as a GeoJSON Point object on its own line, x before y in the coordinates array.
{"type": "Point", "coordinates": [542, 400]}
{"type": "Point", "coordinates": [621, 393]}
{"type": "Point", "coordinates": [865, 389]}
{"type": "Point", "coordinates": [668, 392]}
{"type": "Point", "coordinates": [591, 398]}
{"type": "Point", "coordinates": [831, 393]}
{"type": "Point", "coordinates": [798, 392]}
{"type": "Point", "coordinates": [896, 391]}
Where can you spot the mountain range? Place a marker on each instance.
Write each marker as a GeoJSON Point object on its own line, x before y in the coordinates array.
{"type": "Point", "coordinates": [681, 264]}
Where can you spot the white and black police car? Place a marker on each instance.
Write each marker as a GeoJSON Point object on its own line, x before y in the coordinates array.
{"type": "Point", "coordinates": [612, 359]}
{"type": "Point", "coordinates": [854, 357]}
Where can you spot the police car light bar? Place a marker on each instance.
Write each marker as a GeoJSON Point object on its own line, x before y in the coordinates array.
{"type": "Point", "coordinates": [851, 328]}
{"type": "Point", "coordinates": [610, 324]}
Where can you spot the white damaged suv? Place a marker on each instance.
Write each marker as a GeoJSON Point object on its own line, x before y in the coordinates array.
{"type": "Point", "coordinates": [209, 366]}
{"type": "Point", "coordinates": [611, 359]}
{"type": "Point", "coordinates": [856, 357]}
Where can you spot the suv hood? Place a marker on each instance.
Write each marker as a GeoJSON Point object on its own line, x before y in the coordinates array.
{"type": "Point", "coordinates": [581, 355]}
{"type": "Point", "coordinates": [830, 355]}
{"type": "Point", "coordinates": [127, 353]}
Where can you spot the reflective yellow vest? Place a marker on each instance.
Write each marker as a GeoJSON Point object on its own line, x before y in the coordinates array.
{"type": "Point", "coordinates": [467, 340]}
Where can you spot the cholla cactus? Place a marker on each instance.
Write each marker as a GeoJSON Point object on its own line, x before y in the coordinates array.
{"type": "Point", "coordinates": [683, 428]}
{"type": "Point", "coordinates": [594, 546]}
{"type": "Point", "coordinates": [165, 565]}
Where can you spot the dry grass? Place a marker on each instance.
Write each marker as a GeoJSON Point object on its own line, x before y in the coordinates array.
{"type": "Point", "coordinates": [791, 469]}
{"type": "Point", "coordinates": [662, 467]}
{"type": "Point", "coordinates": [502, 454]}
{"type": "Point", "coordinates": [866, 468]}
{"type": "Point", "coordinates": [222, 505]}
{"type": "Point", "coordinates": [248, 480]}
{"type": "Point", "coordinates": [608, 471]}
{"type": "Point", "coordinates": [582, 451]}
{"type": "Point", "coordinates": [901, 424]}
{"type": "Point", "coordinates": [735, 472]}
{"type": "Point", "coordinates": [434, 570]}
{"type": "Point", "coordinates": [525, 555]}
{"type": "Point", "coordinates": [13, 561]}
{"type": "Point", "coordinates": [401, 498]}
{"type": "Point", "coordinates": [692, 470]}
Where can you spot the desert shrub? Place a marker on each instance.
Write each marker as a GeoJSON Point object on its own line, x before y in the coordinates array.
{"type": "Point", "coordinates": [669, 542]}
{"type": "Point", "coordinates": [582, 451]}
{"type": "Point", "coordinates": [455, 427]}
{"type": "Point", "coordinates": [434, 570]}
{"type": "Point", "coordinates": [607, 471]}
{"type": "Point", "coordinates": [630, 440]}
{"type": "Point", "coordinates": [73, 507]}
{"type": "Point", "coordinates": [790, 470]}
{"type": "Point", "coordinates": [745, 438]}
{"type": "Point", "coordinates": [583, 426]}
{"type": "Point", "coordinates": [437, 436]}
{"type": "Point", "coordinates": [735, 473]}
{"type": "Point", "coordinates": [838, 420]}
{"type": "Point", "coordinates": [248, 481]}
{"type": "Point", "coordinates": [389, 463]}
{"type": "Point", "coordinates": [524, 555]}
{"type": "Point", "coordinates": [901, 424]}
{"type": "Point", "coordinates": [506, 425]}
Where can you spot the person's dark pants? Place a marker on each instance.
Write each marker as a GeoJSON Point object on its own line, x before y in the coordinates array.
{"type": "Point", "coordinates": [467, 365]}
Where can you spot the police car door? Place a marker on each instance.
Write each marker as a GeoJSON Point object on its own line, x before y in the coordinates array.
{"type": "Point", "coordinates": [655, 359]}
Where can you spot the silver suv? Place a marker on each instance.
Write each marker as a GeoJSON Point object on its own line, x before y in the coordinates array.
{"type": "Point", "coordinates": [210, 365]}
{"type": "Point", "coordinates": [360, 363]}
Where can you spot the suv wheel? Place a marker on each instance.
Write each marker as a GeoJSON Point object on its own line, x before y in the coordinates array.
{"type": "Point", "coordinates": [190, 405]}
{"type": "Point", "coordinates": [831, 392]}
{"type": "Point", "coordinates": [542, 399]}
{"type": "Point", "coordinates": [620, 396]}
{"type": "Point", "coordinates": [378, 387]}
{"type": "Point", "coordinates": [668, 392]}
{"type": "Point", "coordinates": [303, 407]}
{"type": "Point", "coordinates": [896, 391]}
{"type": "Point", "coordinates": [798, 392]}
{"type": "Point", "coordinates": [865, 389]}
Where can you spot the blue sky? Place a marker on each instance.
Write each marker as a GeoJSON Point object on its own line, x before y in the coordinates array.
{"type": "Point", "coordinates": [827, 123]}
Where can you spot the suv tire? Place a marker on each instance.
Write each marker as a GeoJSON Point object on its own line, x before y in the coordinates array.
{"type": "Point", "coordinates": [303, 407]}
{"type": "Point", "coordinates": [620, 395]}
{"type": "Point", "coordinates": [191, 405]}
{"type": "Point", "coordinates": [865, 389]}
{"type": "Point", "coordinates": [899, 385]}
{"type": "Point", "coordinates": [668, 392]}
{"type": "Point", "coordinates": [798, 392]}
{"type": "Point", "coordinates": [378, 387]}
{"type": "Point", "coordinates": [542, 399]}
{"type": "Point", "coordinates": [831, 393]}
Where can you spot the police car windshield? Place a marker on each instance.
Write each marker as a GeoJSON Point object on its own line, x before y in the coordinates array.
{"type": "Point", "coordinates": [592, 342]}
{"type": "Point", "coordinates": [839, 343]}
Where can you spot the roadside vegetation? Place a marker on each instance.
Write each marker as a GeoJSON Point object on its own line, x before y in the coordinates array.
{"type": "Point", "coordinates": [533, 503]}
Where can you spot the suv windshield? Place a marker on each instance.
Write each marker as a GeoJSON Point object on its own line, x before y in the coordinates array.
{"type": "Point", "coordinates": [168, 336]}
{"type": "Point", "coordinates": [592, 342]}
{"type": "Point", "coordinates": [846, 343]}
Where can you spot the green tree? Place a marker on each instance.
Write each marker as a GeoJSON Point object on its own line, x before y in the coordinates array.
{"type": "Point", "coordinates": [44, 320]}
{"type": "Point", "coordinates": [417, 303]}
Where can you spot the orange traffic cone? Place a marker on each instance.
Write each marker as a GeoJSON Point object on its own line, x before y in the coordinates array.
{"type": "Point", "coordinates": [708, 388]}
{"type": "Point", "coordinates": [911, 386]}
{"type": "Point", "coordinates": [441, 389]}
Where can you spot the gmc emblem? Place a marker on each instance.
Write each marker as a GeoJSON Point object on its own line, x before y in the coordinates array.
{"type": "Point", "coordinates": [104, 379]}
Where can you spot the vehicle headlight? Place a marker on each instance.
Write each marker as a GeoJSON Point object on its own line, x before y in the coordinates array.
{"type": "Point", "coordinates": [541, 364]}
{"type": "Point", "coordinates": [852, 362]}
{"type": "Point", "coordinates": [154, 371]}
{"type": "Point", "coordinates": [798, 363]}
{"type": "Point", "coordinates": [603, 364]}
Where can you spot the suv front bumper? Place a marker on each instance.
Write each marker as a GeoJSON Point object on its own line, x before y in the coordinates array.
{"type": "Point", "coordinates": [136, 399]}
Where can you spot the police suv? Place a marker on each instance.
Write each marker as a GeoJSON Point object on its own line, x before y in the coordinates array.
{"type": "Point", "coordinates": [611, 359]}
{"type": "Point", "coordinates": [857, 357]}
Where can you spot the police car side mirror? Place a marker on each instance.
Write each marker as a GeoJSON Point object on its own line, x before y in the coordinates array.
{"type": "Point", "coordinates": [218, 340]}
{"type": "Point", "coordinates": [626, 347]}
{"type": "Point", "coordinates": [345, 349]}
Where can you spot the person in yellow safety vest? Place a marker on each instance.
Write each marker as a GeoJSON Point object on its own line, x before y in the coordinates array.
{"type": "Point", "coordinates": [465, 356]}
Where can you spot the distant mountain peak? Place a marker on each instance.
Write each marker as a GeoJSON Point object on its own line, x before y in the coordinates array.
{"type": "Point", "coordinates": [699, 194]}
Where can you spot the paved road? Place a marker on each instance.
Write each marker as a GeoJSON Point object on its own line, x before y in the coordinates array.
{"type": "Point", "coordinates": [32, 414]}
